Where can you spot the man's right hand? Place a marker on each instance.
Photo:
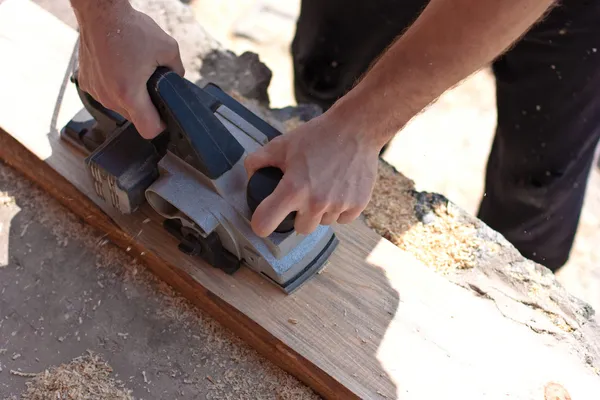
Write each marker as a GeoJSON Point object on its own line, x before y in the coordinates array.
{"type": "Point", "coordinates": [119, 50]}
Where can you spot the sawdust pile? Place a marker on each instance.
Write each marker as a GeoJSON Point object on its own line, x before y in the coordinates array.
{"type": "Point", "coordinates": [391, 209]}
{"type": "Point", "coordinates": [445, 243]}
{"type": "Point", "coordinates": [86, 377]}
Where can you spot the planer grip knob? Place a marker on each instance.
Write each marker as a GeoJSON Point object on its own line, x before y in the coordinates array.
{"type": "Point", "coordinates": [260, 186]}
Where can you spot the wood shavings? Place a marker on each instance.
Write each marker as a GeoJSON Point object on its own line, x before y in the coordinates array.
{"type": "Point", "coordinates": [85, 377]}
{"type": "Point", "coordinates": [24, 230]}
{"type": "Point", "coordinates": [391, 209]}
{"type": "Point", "coordinates": [445, 243]}
{"type": "Point", "coordinates": [23, 374]}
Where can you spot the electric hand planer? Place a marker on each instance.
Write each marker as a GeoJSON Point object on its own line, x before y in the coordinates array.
{"type": "Point", "coordinates": [193, 175]}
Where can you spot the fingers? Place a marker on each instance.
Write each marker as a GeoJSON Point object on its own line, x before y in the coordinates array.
{"type": "Point", "coordinates": [349, 215]}
{"type": "Point", "coordinates": [289, 197]}
{"type": "Point", "coordinates": [307, 222]}
{"type": "Point", "coordinates": [269, 214]}
{"type": "Point", "coordinates": [269, 155]}
{"type": "Point", "coordinates": [330, 217]}
{"type": "Point", "coordinates": [174, 62]}
{"type": "Point", "coordinates": [144, 115]}
{"type": "Point", "coordinates": [143, 112]}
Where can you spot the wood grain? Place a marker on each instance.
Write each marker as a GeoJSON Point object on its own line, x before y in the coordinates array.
{"type": "Point", "coordinates": [376, 324]}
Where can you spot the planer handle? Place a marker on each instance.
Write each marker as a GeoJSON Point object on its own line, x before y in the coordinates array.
{"type": "Point", "coordinates": [195, 134]}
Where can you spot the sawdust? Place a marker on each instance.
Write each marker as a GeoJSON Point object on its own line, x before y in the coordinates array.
{"type": "Point", "coordinates": [445, 243]}
{"type": "Point", "coordinates": [85, 377]}
{"type": "Point", "coordinates": [391, 209]}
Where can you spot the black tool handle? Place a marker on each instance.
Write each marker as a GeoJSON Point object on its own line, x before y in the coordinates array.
{"type": "Point", "coordinates": [196, 134]}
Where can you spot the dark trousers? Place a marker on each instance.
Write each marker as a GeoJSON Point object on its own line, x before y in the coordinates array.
{"type": "Point", "coordinates": [548, 99]}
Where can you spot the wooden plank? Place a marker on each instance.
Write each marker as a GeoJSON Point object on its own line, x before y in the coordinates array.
{"type": "Point", "coordinates": [376, 324]}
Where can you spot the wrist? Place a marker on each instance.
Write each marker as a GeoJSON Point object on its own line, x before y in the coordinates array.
{"type": "Point", "coordinates": [369, 111]}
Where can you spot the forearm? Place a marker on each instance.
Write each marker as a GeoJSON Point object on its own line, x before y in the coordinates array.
{"type": "Point", "coordinates": [448, 42]}
{"type": "Point", "coordinates": [97, 10]}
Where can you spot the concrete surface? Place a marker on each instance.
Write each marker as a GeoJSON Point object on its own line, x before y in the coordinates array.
{"type": "Point", "coordinates": [64, 289]}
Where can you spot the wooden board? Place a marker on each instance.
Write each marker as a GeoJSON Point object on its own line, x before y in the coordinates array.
{"type": "Point", "coordinates": [376, 324]}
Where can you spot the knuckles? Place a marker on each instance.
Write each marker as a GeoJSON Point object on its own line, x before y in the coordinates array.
{"type": "Point", "coordinates": [318, 203]}
{"type": "Point", "coordinates": [293, 187]}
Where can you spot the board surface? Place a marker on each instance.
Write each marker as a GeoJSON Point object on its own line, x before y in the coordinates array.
{"type": "Point", "coordinates": [375, 324]}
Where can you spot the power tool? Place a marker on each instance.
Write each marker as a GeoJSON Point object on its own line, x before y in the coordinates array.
{"type": "Point", "coordinates": [193, 176]}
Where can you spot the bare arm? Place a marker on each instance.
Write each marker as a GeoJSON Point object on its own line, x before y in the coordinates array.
{"type": "Point", "coordinates": [448, 42]}
{"type": "Point", "coordinates": [83, 7]}
{"type": "Point", "coordinates": [330, 163]}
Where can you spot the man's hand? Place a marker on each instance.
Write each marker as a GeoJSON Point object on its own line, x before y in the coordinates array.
{"type": "Point", "coordinates": [329, 172]}
{"type": "Point", "coordinates": [329, 164]}
{"type": "Point", "coordinates": [119, 50]}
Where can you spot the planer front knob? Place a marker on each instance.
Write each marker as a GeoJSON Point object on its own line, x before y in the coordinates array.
{"type": "Point", "coordinates": [261, 185]}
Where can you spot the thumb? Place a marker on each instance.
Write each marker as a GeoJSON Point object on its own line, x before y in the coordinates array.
{"type": "Point", "coordinates": [269, 155]}
{"type": "Point", "coordinates": [144, 115]}
{"type": "Point", "coordinates": [176, 65]}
